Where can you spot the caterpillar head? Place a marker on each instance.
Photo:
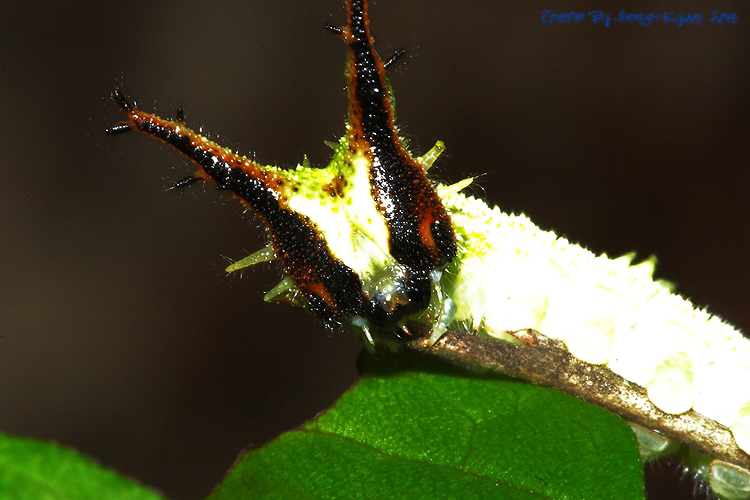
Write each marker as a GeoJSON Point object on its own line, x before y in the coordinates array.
{"type": "Point", "coordinates": [363, 240]}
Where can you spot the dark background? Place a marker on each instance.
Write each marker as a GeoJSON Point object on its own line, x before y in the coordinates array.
{"type": "Point", "coordinates": [120, 334]}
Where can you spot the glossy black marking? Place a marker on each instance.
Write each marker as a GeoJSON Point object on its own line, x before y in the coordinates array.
{"type": "Point", "coordinates": [187, 181]}
{"type": "Point", "coordinates": [331, 289]}
{"type": "Point", "coordinates": [382, 309]}
{"type": "Point", "coordinates": [120, 128]}
{"type": "Point", "coordinates": [406, 199]}
{"type": "Point", "coordinates": [180, 117]}
{"type": "Point", "coordinates": [336, 30]}
{"type": "Point", "coordinates": [121, 99]}
{"type": "Point", "coordinates": [410, 206]}
{"type": "Point", "coordinates": [394, 58]}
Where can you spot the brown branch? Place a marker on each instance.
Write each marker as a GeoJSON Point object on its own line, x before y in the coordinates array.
{"type": "Point", "coordinates": [547, 362]}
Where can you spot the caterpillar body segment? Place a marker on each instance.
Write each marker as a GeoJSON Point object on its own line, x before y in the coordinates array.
{"type": "Point", "coordinates": [511, 275]}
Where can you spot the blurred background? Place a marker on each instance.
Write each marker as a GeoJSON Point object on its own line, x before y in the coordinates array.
{"type": "Point", "coordinates": [120, 334]}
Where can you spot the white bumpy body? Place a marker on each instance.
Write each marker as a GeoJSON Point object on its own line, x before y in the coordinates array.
{"type": "Point", "coordinates": [511, 275]}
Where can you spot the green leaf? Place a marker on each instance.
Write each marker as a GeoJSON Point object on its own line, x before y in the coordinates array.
{"type": "Point", "coordinates": [418, 425]}
{"type": "Point", "coordinates": [35, 470]}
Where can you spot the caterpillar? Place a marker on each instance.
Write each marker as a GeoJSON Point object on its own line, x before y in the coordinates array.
{"type": "Point", "coordinates": [370, 242]}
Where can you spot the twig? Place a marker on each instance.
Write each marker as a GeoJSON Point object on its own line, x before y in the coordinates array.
{"type": "Point", "coordinates": [547, 362]}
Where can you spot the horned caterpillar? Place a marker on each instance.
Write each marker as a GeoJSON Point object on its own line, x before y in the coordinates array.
{"type": "Point", "coordinates": [369, 241]}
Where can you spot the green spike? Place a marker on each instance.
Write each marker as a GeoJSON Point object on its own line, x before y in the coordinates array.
{"type": "Point", "coordinates": [667, 284]}
{"type": "Point", "coordinates": [446, 191]}
{"type": "Point", "coordinates": [281, 291]}
{"type": "Point", "coordinates": [628, 257]}
{"type": "Point", "coordinates": [647, 265]}
{"type": "Point", "coordinates": [263, 255]}
{"type": "Point", "coordinates": [430, 156]}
